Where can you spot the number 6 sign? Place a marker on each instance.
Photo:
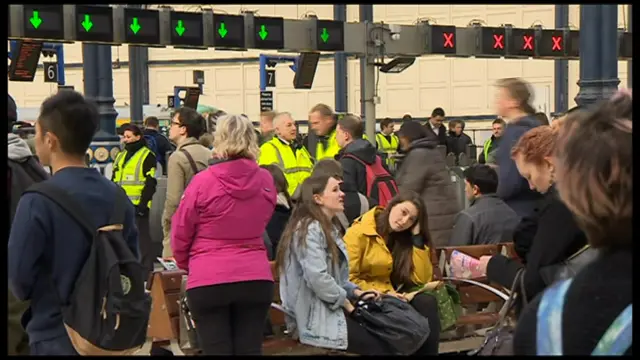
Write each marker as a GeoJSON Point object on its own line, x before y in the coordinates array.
{"type": "Point", "coordinates": [50, 72]}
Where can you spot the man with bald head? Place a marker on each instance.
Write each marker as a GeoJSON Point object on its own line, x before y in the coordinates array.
{"type": "Point", "coordinates": [284, 151]}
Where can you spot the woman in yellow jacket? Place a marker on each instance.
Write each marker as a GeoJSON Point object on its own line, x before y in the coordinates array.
{"type": "Point", "coordinates": [389, 252]}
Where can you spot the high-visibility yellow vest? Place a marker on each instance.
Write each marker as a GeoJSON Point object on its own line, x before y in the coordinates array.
{"type": "Point", "coordinates": [296, 167]}
{"type": "Point", "coordinates": [332, 148]}
{"type": "Point", "coordinates": [388, 147]}
{"type": "Point", "coordinates": [130, 175]}
{"type": "Point", "coordinates": [486, 147]}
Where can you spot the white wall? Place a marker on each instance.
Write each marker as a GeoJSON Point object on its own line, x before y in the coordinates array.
{"type": "Point", "coordinates": [460, 86]}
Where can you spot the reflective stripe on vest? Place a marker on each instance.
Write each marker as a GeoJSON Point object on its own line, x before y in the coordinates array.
{"type": "Point", "coordinates": [296, 167]}
{"type": "Point", "coordinates": [129, 175]}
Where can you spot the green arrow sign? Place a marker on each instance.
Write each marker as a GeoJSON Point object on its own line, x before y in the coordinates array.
{"type": "Point", "coordinates": [135, 26]}
{"type": "Point", "coordinates": [223, 30]}
{"type": "Point", "coordinates": [180, 28]}
{"type": "Point", "coordinates": [87, 24]}
{"type": "Point", "coordinates": [35, 19]}
{"type": "Point", "coordinates": [263, 32]}
{"type": "Point", "coordinates": [325, 35]}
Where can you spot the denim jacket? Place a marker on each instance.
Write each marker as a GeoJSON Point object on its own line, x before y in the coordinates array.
{"type": "Point", "coordinates": [313, 290]}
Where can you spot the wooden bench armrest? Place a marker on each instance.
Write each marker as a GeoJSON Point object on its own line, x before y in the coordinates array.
{"type": "Point", "coordinates": [489, 288]}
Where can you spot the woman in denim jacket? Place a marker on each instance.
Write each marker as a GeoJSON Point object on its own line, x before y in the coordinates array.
{"type": "Point", "coordinates": [314, 274]}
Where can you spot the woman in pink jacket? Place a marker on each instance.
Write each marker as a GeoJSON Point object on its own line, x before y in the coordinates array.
{"type": "Point", "coordinates": [216, 236]}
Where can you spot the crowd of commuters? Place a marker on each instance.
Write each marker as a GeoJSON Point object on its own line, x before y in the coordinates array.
{"type": "Point", "coordinates": [339, 224]}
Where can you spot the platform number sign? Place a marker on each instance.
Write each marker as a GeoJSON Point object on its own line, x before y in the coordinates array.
{"type": "Point", "coordinates": [171, 101]}
{"type": "Point", "coordinates": [271, 78]}
{"type": "Point", "coordinates": [50, 72]}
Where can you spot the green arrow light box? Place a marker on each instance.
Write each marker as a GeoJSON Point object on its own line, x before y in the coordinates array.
{"type": "Point", "coordinates": [43, 22]}
{"type": "Point", "coordinates": [94, 24]}
{"type": "Point", "coordinates": [269, 33]}
{"type": "Point", "coordinates": [141, 26]}
{"type": "Point", "coordinates": [330, 35]}
{"type": "Point", "coordinates": [228, 31]}
{"type": "Point", "coordinates": [186, 29]}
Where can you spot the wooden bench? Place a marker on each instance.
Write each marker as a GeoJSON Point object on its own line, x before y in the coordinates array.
{"type": "Point", "coordinates": [479, 306]}
{"type": "Point", "coordinates": [164, 320]}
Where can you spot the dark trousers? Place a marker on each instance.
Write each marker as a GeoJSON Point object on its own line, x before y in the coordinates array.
{"type": "Point", "coordinates": [149, 250]}
{"type": "Point", "coordinates": [230, 317]}
{"type": "Point", "coordinates": [57, 346]}
{"type": "Point", "coordinates": [362, 342]}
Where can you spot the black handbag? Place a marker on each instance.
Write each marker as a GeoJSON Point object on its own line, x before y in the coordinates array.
{"type": "Point", "coordinates": [499, 340]}
{"type": "Point", "coordinates": [395, 322]}
{"type": "Point", "coordinates": [570, 267]}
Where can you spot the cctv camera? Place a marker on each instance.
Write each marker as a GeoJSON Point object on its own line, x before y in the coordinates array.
{"type": "Point", "coordinates": [395, 31]}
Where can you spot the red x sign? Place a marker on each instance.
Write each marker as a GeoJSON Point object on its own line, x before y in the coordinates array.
{"type": "Point", "coordinates": [448, 40]}
{"type": "Point", "coordinates": [557, 43]}
{"type": "Point", "coordinates": [527, 42]}
{"type": "Point", "coordinates": [498, 41]}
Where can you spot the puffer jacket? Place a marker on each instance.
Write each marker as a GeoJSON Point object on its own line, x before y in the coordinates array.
{"type": "Point", "coordinates": [424, 171]}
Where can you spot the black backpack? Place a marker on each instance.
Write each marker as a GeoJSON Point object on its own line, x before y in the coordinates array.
{"type": "Point", "coordinates": [21, 175]}
{"type": "Point", "coordinates": [108, 310]}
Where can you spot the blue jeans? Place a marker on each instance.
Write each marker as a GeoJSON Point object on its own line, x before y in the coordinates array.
{"type": "Point", "coordinates": [57, 346]}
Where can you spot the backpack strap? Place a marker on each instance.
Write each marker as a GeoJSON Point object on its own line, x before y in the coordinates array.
{"type": "Point", "coordinates": [549, 320]}
{"type": "Point", "coordinates": [618, 337]}
{"type": "Point", "coordinates": [64, 200]}
{"type": "Point", "coordinates": [367, 169]}
{"type": "Point", "coordinates": [192, 162]}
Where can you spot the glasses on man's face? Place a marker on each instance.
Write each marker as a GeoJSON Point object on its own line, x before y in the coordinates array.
{"type": "Point", "coordinates": [176, 123]}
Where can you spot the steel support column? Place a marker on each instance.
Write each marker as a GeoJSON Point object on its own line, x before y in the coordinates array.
{"type": "Point", "coordinates": [340, 66]}
{"type": "Point", "coordinates": [561, 67]}
{"type": "Point", "coordinates": [366, 15]}
{"type": "Point", "coordinates": [598, 53]}
{"type": "Point", "coordinates": [98, 85]}
{"type": "Point", "coordinates": [136, 86]}
{"type": "Point", "coordinates": [629, 63]}
{"type": "Point", "coordinates": [90, 70]}
{"type": "Point", "coordinates": [105, 99]}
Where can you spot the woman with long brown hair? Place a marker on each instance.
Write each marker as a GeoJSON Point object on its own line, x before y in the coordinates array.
{"type": "Point", "coordinates": [314, 274]}
{"type": "Point", "coordinates": [389, 251]}
{"type": "Point", "coordinates": [594, 174]}
{"type": "Point", "coordinates": [513, 104]}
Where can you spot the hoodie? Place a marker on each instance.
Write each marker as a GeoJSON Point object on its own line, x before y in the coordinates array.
{"type": "Point", "coordinates": [513, 189]}
{"type": "Point", "coordinates": [355, 175]}
{"type": "Point", "coordinates": [18, 149]}
{"type": "Point", "coordinates": [216, 233]}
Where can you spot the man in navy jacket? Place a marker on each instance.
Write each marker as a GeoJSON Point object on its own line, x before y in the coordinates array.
{"type": "Point", "coordinates": [513, 189]}
{"type": "Point", "coordinates": [47, 248]}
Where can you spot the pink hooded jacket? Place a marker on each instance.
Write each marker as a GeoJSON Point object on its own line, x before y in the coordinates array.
{"type": "Point", "coordinates": [216, 233]}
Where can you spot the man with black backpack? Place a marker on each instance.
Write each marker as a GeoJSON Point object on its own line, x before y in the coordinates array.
{"type": "Point", "coordinates": [23, 170]}
{"type": "Point", "coordinates": [73, 247]}
{"type": "Point", "coordinates": [364, 171]}
{"type": "Point", "coordinates": [157, 142]}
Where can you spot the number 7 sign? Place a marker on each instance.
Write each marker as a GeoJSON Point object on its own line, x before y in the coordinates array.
{"type": "Point", "coordinates": [271, 78]}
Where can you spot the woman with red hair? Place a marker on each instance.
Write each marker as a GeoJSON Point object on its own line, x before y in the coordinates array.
{"type": "Point", "coordinates": [551, 235]}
